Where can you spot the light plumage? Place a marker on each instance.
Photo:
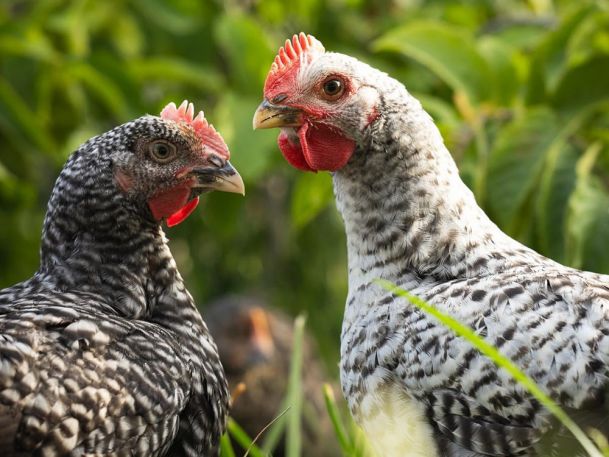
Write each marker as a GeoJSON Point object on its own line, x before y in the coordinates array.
{"type": "Point", "coordinates": [417, 388]}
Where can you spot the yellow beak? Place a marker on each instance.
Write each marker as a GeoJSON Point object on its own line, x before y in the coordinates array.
{"type": "Point", "coordinates": [268, 116]}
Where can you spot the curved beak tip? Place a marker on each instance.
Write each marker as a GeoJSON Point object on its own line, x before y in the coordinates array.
{"type": "Point", "coordinates": [224, 179]}
{"type": "Point", "coordinates": [240, 186]}
{"type": "Point", "coordinates": [260, 115]}
{"type": "Point", "coordinates": [232, 183]}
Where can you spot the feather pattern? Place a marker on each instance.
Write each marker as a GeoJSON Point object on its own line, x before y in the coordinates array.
{"type": "Point", "coordinates": [417, 388]}
{"type": "Point", "coordinates": [410, 219]}
{"type": "Point", "coordinates": [102, 351]}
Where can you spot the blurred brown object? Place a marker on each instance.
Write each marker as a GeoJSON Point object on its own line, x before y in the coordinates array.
{"type": "Point", "coordinates": [255, 346]}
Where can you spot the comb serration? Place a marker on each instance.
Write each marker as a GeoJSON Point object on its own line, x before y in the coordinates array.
{"type": "Point", "coordinates": [203, 129]}
{"type": "Point", "coordinates": [293, 51]}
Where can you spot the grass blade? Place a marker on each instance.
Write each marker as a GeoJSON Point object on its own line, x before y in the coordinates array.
{"type": "Point", "coordinates": [274, 433]}
{"type": "Point", "coordinates": [292, 401]}
{"type": "Point", "coordinates": [337, 422]}
{"type": "Point", "coordinates": [294, 393]}
{"type": "Point", "coordinates": [241, 437]}
{"type": "Point", "coordinates": [226, 448]}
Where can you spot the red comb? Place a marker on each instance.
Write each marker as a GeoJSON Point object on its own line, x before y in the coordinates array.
{"type": "Point", "coordinates": [302, 48]}
{"type": "Point", "coordinates": [204, 130]}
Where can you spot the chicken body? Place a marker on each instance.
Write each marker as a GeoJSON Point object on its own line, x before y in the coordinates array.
{"type": "Point", "coordinates": [102, 351]}
{"type": "Point", "coordinates": [255, 343]}
{"type": "Point", "coordinates": [415, 387]}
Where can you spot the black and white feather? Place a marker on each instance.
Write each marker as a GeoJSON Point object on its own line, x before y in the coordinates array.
{"type": "Point", "coordinates": [103, 351]}
{"type": "Point", "coordinates": [410, 220]}
{"type": "Point", "coordinates": [417, 388]}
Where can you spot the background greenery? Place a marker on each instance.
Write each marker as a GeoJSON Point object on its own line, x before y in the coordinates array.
{"type": "Point", "coordinates": [520, 90]}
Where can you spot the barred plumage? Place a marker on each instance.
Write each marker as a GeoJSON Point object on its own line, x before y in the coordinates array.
{"type": "Point", "coordinates": [416, 388]}
{"type": "Point", "coordinates": [102, 351]}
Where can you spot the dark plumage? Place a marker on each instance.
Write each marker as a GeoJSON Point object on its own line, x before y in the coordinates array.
{"type": "Point", "coordinates": [102, 351]}
{"type": "Point", "coordinates": [255, 345]}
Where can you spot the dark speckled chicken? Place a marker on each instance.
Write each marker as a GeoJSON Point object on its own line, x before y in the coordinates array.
{"type": "Point", "coordinates": [255, 345]}
{"type": "Point", "coordinates": [102, 351]}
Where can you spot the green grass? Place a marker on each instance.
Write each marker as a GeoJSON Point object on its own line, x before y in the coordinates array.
{"type": "Point", "coordinates": [294, 394]}
{"type": "Point", "coordinates": [352, 441]}
{"type": "Point", "coordinates": [288, 421]}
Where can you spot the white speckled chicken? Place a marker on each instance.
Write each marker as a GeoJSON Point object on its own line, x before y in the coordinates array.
{"type": "Point", "coordinates": [103, 351]}
{"type": "Point", "coordinates": [415, 387]}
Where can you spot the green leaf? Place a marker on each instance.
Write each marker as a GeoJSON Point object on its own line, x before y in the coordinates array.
{"type": "Point", "coordinates": [521, 34]}
{"type": "Point", "coordinates": [337, 422]}
{"type": "Point", "coordinates": [175, 70]}
{"type": "Point", "coordinates": [557, 184]}
{"type": "Point", "coordinates": [292, 402]}
{"type": "Point", "coordinates": [515, 164]}
{"type": "Point", "coordinates": [17, 113]}
{"type": "Point", "coordinates": [127, 36]}
{"type": "Point", "coordinates": [588, 218]}
{"type": "Point", "coordinates": [74, 30]}
{"type": "Point", "coordinates": [158, 14]}
{"type": "Point", "coordinates": [447, 51]}
{"type": "Point", "coordinates": [247, 49]}
{"type": "Point", "coordinates": [582, 87]}
{"type": "Point", "coordinates": [550, 58]}
{"type": "Point", "coordinates": [243, 439]}
{"type": "Point", "coordinates": [100, 85]}
{"type": "Point", "coordinates": [591, 38]}
{"type": "Point", "coordinates": [226, 448]}
{"type": "Point", "coordinates": [252, 151]}
{"type": "Point", "coordinates": [35, 46]}
{"type": "Point", "coordinates": [312, 193]}
{"type": "Point", "coordinates": [501, 59]}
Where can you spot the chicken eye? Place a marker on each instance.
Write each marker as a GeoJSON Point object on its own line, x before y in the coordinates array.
{"type": "Point", "coordinates": [162, 151]}
{"type": "Point", "coordinates": [333, 88]}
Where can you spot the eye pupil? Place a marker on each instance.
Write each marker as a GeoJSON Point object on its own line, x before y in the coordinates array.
{"type": "Point", "coordinates": [332, 87]}
{"type": "Point", "coordinates": [161, 150]}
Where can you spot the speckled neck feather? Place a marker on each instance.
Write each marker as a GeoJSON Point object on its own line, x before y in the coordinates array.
{"type": "Point", "coordinates": [404, 204]}
{"type": "Point", "coordinates": [92, 242]}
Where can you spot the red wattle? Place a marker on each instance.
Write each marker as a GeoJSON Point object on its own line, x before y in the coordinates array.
{"type": "Point", "coordinates": [292, 152]}
{"type": "Point", "coordinates": [320, 148]}
{"type": "Point", "coordinates": [173, 204]}
{"type": "Point", "coordinates": [182, 213]}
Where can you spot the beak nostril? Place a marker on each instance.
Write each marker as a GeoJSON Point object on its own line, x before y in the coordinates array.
{"type": "Point", "coordinates": [216, 160]}
{"type": "Point", "coordinates": [279, 98]}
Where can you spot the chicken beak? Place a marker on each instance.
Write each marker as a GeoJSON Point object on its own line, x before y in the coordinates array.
{"type": "Point", "coordinates": [268, 116]}
{"type": "Point", "coordinates": [224, 179]}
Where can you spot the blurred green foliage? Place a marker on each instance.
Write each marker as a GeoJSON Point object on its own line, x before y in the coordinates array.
{"type": "Point", "coordinates": [519, 89]}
